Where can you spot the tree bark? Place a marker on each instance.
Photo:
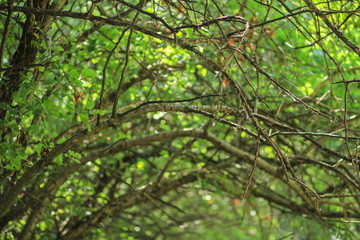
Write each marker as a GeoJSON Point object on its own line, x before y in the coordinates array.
{"type": "Point", "coordinates": [34, 29]}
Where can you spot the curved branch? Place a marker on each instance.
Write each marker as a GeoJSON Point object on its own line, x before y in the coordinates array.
{"type": "Point", "coordinates": [338, 33]}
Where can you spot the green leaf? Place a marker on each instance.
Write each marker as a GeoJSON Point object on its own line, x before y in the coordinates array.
{"type": "Point", "coordinates": [39, 148]}
{"type": "Point", "coordinates": [90, 73]}
{"type": "Point", "coordinates": [101, 112]}
{"type": "Point", "coordinates": [16, 162]}
{"type": "Point", "coordinates": [9, 167]}
{"type": "Point", "coordinates": [43, 226]}
{"type": "Point", "coordinates": [59, 49]}
{"type": "Point", "coordinates": [85, 119]}
{"type": "Point", "coordinates": [59, 160]}
{"type": "Point", "coordinates": [74, 74]}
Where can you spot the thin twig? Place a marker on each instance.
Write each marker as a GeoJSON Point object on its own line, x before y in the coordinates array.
{"type": "Point", "coordinates": [171, 160]}
{"type": "Point", "coordinates": [5, 32]}
{"type": "Point", "coordinates": [253, 169]}
{"type": "Point", "coordinates": [104, 73]}
{"type": "Point", "coordinates": [346, 130]}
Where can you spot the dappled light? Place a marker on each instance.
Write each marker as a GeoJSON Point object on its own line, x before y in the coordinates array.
{"type": "Point", "coordinates": [179, 119]}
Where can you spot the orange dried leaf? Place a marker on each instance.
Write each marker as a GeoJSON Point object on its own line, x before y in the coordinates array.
{"type": "Point", "coordinates": [252, 20]}
{"type": "Point", "coordinates": [251, 33]}
{"type": "Point", "coordinates": [225, 82]}
{"type": "Point", "coordinates": [235, 202]}
{"type": "Point", "coordinates": [77, 97]}
{"type": "Point", "coordinates": [180, 8]}
{"type": "Point", "coordinates": [267, 28]}
{"type": "Point", "coordinates": [252, 46]}
{"type": "Point", "coordinates": [232, 41]}
{"type": "Point", "coordinates": [168, 32]}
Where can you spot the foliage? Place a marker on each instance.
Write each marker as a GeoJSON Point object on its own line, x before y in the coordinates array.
{"type": "Point", "coordinates": [179, 119]}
